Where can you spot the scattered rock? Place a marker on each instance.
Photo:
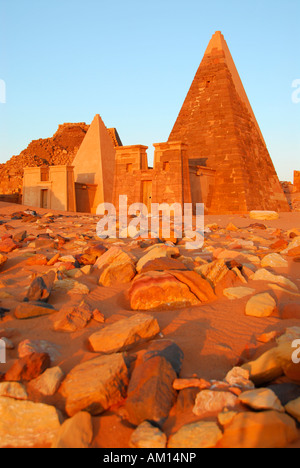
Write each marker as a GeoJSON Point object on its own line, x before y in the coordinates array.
{"type": "Point", "coordinates": [38, 259]}
{"type": "Point", "coordinates": [75, 433]}
{"type": "Point", "coordinates": [49, 382]}
{"type": "Point", "coordinates": [274, 260]}
{"type": "Point", "coordinates": [267, 429]}
{"type": "Point", "coordinates": [8, 245]}
{"type": "Point", "coordinates": [3, 259]}
{"type": "Point", "coordinates": [264, 215]}
{"type": "Point", "coordinates": [117, 273]}
{"type": "Point", "coordinates": [182, 384]}
{"type": "Point", "coordinates": [226, 417]}
{"type": "Point", "coordinates": [167, 349]}
{"type": "Point", "coordinates": [124, 334]}
{"type": "Point", "coordinates": [24, 424]}
{"type": "Point", "coordinates": [214, 271]}
{"type": "Point", "coordinates": [13, 390]}
{"type": "Point", "coordinates": [28, 310]}
{"type": "Point", "coordinates": [239, 377]}
{"type": "Point", "coordinates": [27, 347]}
{"type": "Point", "coordinates": [70, 286]}
{"type": "Point", "coordinates": [265, 275]}
{"type": "Point", "coordinates": [261, 305]}
{"type": "Point", "coordinates": [148, 436]}
{"type": "Point", "coordinates": [150, 393]}
{"type": "Point", "coordinates": [208, 401]}
{"type": "Point", "coordinates": [155, 252]}
{"type": "Point", "coordinates": [202, 434]}
{"type": "Point", "coordinates": [40, 288]}
{"type": "Point", "coordinates": [163, 264]}
{"type": "Point", "coordinates": [261, 399]}
{"type": "Point", "coordinates": [71, 319]}
{"type": "Point", "coordinates": [95, 385]}
{"type": "Point", "coordinates": [28, 368]}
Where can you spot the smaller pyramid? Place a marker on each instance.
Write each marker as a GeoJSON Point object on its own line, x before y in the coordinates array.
{"type": "Point", "coordinates": [94, 167]}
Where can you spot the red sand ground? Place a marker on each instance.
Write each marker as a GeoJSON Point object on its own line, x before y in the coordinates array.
{"type": "Point", "coordinates": [213, 337]}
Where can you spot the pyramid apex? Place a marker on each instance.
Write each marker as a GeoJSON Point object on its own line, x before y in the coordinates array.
{"type": "Point", "coordinates": [217, 42]}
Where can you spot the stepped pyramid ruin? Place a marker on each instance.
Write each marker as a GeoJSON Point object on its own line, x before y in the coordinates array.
{"type": "Point", "coordinates": [230, 168]}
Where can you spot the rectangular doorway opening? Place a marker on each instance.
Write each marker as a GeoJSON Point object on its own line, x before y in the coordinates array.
{"type": "Point", "coordinates": [44, 198]}
{"type": "Point", "coordinates": [147, 193]}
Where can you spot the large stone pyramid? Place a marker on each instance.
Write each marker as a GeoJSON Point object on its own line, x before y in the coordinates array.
{"type": "Point", "coordinates": [224, 139]}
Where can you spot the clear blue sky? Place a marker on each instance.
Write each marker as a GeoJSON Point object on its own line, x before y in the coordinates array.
{"type": "Point", "coordinates": [133, 62]}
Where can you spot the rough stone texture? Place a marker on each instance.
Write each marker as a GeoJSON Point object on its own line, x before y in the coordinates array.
{"type": "Point", "coordinates": [3, 259]}
{"type": "Point", "coordinates": [201, 434]}
{"type": "Point", "coordinates": [293, 408]}
{"type": "Point", "coordinates": [239, 377]}
{"type": "Point", "coordinates": [124, 334]}
{"type": "Point", "coordinates": [219, 126]}
{"type": "Point", "coordinates": [28, 347]}
{"type": "Point", "coordinates": [208, 401]}
{"type": "Point", "coordinates": [71, 319]}
{"type": "Point", "coordinates": [150, 393]}
{"type": "Point", "coordinates": [13, 390]}
{"type": "Point", "coordinates": [274, 261]}
{"type": "Point", "coordinates": [76, 432]}
{"type": "Point", "coordinates": [167, 349]}
{"type": "Point", "coordinates": [24, 424]}
{"type": "Point", "coordinates": [167, 290]}
{"type": "Point", "coordinates": [214, 271]}
{"type": "Point", "coordinates": [163, 264]}
{"type": "Point", "coordinates": [40, 288]}
{"type": "Point", "coordinates": [156, 252]}
{"type": "Point", "coordinates": [261, 305]}
{"type": "Point", "coordinates": [261, 399]}
{"type": "Point", "coordinates": [28, 310]}
{"type": "Point", "coordinates": [265, 275]}
{"type": "Point", "coordinates": [95, 385]}
{"type": "Point", "coordinates": [28, 368]}
{"type": "Point", "coordinates": [118, 273]}
{"type": "Point", "coordinates": [49, 382]}
{"type": "Point", "coordinates": [159, 290]}
{"type": "Point", "coordinates": [147, 436]}
{"type": "Point", "coordinates": [268, 429]}
{"type": "Point", "coordinates": [264, 215]}
{"type": "Point", "coordinates": [70, 286]}
{"type": "Point", "coordinates": [7, 245]}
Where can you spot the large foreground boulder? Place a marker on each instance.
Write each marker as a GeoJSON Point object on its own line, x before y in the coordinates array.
{"type": "Point", "coordinates": [268, 429]}
{"type": "Point", "coordinates": [95, 385]}
{"type": "Point", "coordinates": [169, 290]}
{"type": "Point", "coordinates": [150, 392]}
{"type": "Point", "coordinates": [24, 424]}
{"type": "Point", "coordinates": [202, 434]}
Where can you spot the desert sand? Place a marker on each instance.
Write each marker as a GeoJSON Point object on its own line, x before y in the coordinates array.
{"type": "Point", "coordinates": [214, 336]}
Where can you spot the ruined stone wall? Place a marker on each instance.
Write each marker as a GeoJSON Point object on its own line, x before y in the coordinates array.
{"type": "Point", "coordinates": [297, 181]}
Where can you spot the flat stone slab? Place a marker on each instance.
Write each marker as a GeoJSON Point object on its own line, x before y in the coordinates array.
{"type": "Point", "coordinates": [261, 305]}
{"type": "Point", "coordinates": [238, 292]}
{"type": "Point", "coordinates": [24, 424]}
{"type": "Point", "coordinates": [124, 334]}
{"type": "Point", "coordinates": [202, 434]}
{"type": "Point", "coordinates": [261, 399]}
